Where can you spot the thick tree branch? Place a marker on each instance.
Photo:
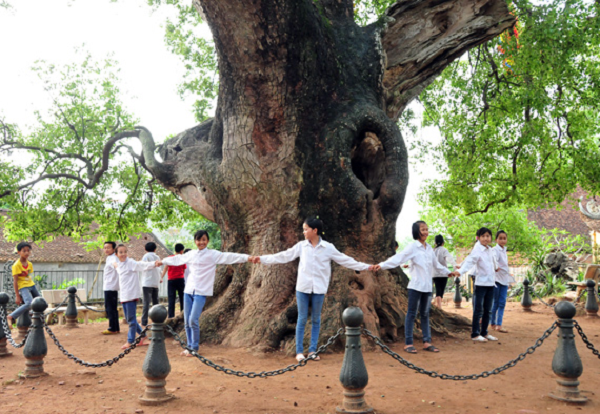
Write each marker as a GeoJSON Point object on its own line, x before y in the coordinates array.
{"type": "Point", "coordinates": [427, 35]}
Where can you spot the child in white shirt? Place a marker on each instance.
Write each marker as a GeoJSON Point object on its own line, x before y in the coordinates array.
{"type": "Point", "coordinates": [314, 272]}
{"type": "Point", "coordinates": [150, 281]}
{"type": "Point", "coordinates": [130, 290]}
{"type": "Point", "coordinates": [423, 264]}
{"type": "Point", "coordinates": [482, 257]}
{"type": "Point", "coordinates": [503, 280]}
{"type": "Point", "coordinates": [200, 283]}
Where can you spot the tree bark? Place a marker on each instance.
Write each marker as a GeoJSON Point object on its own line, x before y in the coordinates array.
{"type": "Point", "coordinates": [305, 126]}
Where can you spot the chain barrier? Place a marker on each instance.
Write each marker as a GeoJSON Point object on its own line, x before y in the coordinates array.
{"type": "Point", "coordinates": [263, 374]}
{"type": "Point", "coordinates": [88, 307]}
{"type": "Point", "coordinates": [515, 293]}
{"type": "Point", "coordinates": [8, 332]}
{"type": "Point", "coordinates": [484, 374]}
{"type": "Point", "coordinates": [108, 362]}
{"type": "Point", "coordinates": [542, 300]}
{"type": "Point", "coordinates": [584, 338]}
{"type": "Point", "coordinates": [56, 308]}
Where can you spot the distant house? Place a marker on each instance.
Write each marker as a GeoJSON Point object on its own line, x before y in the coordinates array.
{"type": "Point", "coordinates": [63, 260]}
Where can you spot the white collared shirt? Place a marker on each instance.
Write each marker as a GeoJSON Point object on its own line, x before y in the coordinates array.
{"type": "Point", "coordinates": [151, 278]}
{"type": "Point", "coordinates": [424, 263]}
{"type": "Point", "coordinates": [111, 277]}
{"type": "Point", "coordinates": [444, 257]}
{"type": "Point", "coordinates": [129, 278]}
{"type": "Point", "coordinates": [503, 274]}
{"type": "Point", "coordinates": [203, 265]}
{"type": "Point", "coordinates": [314, 269]}
{"type": "Point", "coordinates": [483, 258]}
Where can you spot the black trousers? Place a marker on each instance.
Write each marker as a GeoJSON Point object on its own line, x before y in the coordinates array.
{"type": "Point", "coordinates": [175, 287]}
{"type": "Point", "coordinates": [483, 300]}
{"type": "Point", "coordinates": [111, 301]}
{"type": "Point", "coordinates": [150, 294]}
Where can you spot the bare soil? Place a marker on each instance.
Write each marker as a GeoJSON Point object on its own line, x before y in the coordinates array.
{"type": "Point", "coordinates": [315, 388]}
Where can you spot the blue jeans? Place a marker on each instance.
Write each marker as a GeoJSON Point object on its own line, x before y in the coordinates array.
{"type": "Point", "coordinates": [192, 309]}
{"type": "Point", "coordinates": [500, 293]}
{"type": "Point", "coordinates": [27, 294]}
{"type": "Point", "coordinates": [316, 302]}
{"type": "Point", "coordinates": [420, 301]}
{"type": "Point", "coordinates": [482, 309]}
{"type": "Point", "coordinates": [129, 309]}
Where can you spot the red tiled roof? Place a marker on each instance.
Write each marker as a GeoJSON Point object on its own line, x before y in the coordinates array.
{"type": "Point", "coordinates": [568, 218]}
{"type": "Point", "coordinates": [64, 250]}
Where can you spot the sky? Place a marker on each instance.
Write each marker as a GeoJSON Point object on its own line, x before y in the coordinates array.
{"type": "Point", "coordinates": [134, 33]}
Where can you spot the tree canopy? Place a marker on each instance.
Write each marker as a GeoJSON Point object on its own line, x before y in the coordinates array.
{"type": "Point", "coordinates": [519, 115]}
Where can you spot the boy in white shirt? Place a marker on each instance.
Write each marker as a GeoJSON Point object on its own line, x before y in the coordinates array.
{"type": "Point", "coordinates": [314, 272]}
{"type": "Point", "coordinates": [150, 281]}
{"type": "Point", "coordinates": [110, 286]}
{"type": "Point", "coordinates": [483, 258]}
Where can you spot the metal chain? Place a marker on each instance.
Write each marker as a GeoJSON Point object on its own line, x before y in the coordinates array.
{"type": "Point", "coordinates": [484, 374]}
{"type": "Point", "coordinates": [541, 299]}
{"type": "Point", "coordinates": [8, 332]}
{"type": "Point", "coordinates": [55, 309]}
{"type": "Point", "coordinates": [515, 293]}
{"type": "Point", "coordinates": [584, 338]}
{"type": "Point", "coordinates": [108, 362]}
{"type": "Point", "coordinates": [87, 307]}
{"type": "Point", "coordinates": [263, 374]}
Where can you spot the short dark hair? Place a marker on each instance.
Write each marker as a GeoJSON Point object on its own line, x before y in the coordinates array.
{"type": "Point", "coordinates": [187, 250]}
{"type": "Point", "coordinates": [439, 240]}
{"type": "Point", "coordinates": [150, 247]}
{"type": "Point", "coordinates": [483, 231]}
{"type": "Point", "coordinates": [179, 247]}
{"type": "Point", "coordinates": [416, 229]}
{"type": "Point", "coordinates": [315, 223]}
{"type": "Point", "coordinates": [198, 235]}
{"type": "Point", "coordinates": [396, 245]}
{"type": "Point", "coordinates": [113, 244]}
{"type": "Point", "coordinates": [22, 245]}
{"type": "Point", "coordinates": [119, 246]}
{"type": "Point", "coordinates": [499, 233]}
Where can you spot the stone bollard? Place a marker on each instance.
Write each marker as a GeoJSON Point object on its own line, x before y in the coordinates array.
{"type": "Point", "coordinates": [457, 296]}
{"type": "Point", "coordinates": [71, 312]}
{"type": "Point", "coordinates": [23, 324]}
{"type": "Point", "coordinates": [353, 376]}
{"type": "Point", "coordinates": [3, 351]}
{"type": "Point", "coordinates": [36, 348]}
{"type": "Point", "coordinates": [566, 363]}
{"type": "Point", "coordinates": [526, 301]}
{"type": "Point", "coordinates": [156, 364]}
{"type": "Point", "coordinates": [591, 304]}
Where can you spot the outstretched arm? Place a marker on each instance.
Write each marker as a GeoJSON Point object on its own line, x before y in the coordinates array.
{"type": "Point", "coordinates": [231, 258]}
{"type": "Point", "coordinates": [347, 261]}
{"type": "Point", "coordinates": [281, 257]}
{"type": "Point", "coordinates": [397, 259]}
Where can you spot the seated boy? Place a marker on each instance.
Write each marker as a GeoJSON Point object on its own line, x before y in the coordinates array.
{"type": "Point", "coordinates": [25, 289]}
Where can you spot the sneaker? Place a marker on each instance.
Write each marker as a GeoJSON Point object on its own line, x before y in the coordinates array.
{"type": "Point", "coordinates": [479, 339]}
{"type": "Point", "coordinates": [491, 338]}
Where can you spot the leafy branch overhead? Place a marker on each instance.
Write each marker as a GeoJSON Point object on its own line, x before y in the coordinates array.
{"type": "Point", "coordinates": [519, 115]}
{"type": "Point", "coordinates": [78, 164]}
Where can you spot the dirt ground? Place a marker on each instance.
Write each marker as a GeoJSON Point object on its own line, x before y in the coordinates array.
{"type": "Point", "coordinates": [313, 389]}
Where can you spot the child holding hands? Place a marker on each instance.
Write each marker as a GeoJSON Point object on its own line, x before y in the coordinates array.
{"type": "Point", "coordinates": [314, 272]}
{"type": "Point", "coordinates": [130, 290]}
{"type": "Point", "coordinates": [424, 262]}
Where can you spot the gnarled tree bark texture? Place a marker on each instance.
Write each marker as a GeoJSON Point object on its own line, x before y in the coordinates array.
{"type": "Point", "coordinates": [306, 126]}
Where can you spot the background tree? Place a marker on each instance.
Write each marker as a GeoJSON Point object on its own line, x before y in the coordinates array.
{"type": "Point", "coordinates": [305, 124]}
{"type": "Point", "coordinates": [519, 115]}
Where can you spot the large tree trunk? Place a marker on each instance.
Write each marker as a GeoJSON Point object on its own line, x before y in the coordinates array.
{"type": "Point", "coordinates": [305, 126]}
